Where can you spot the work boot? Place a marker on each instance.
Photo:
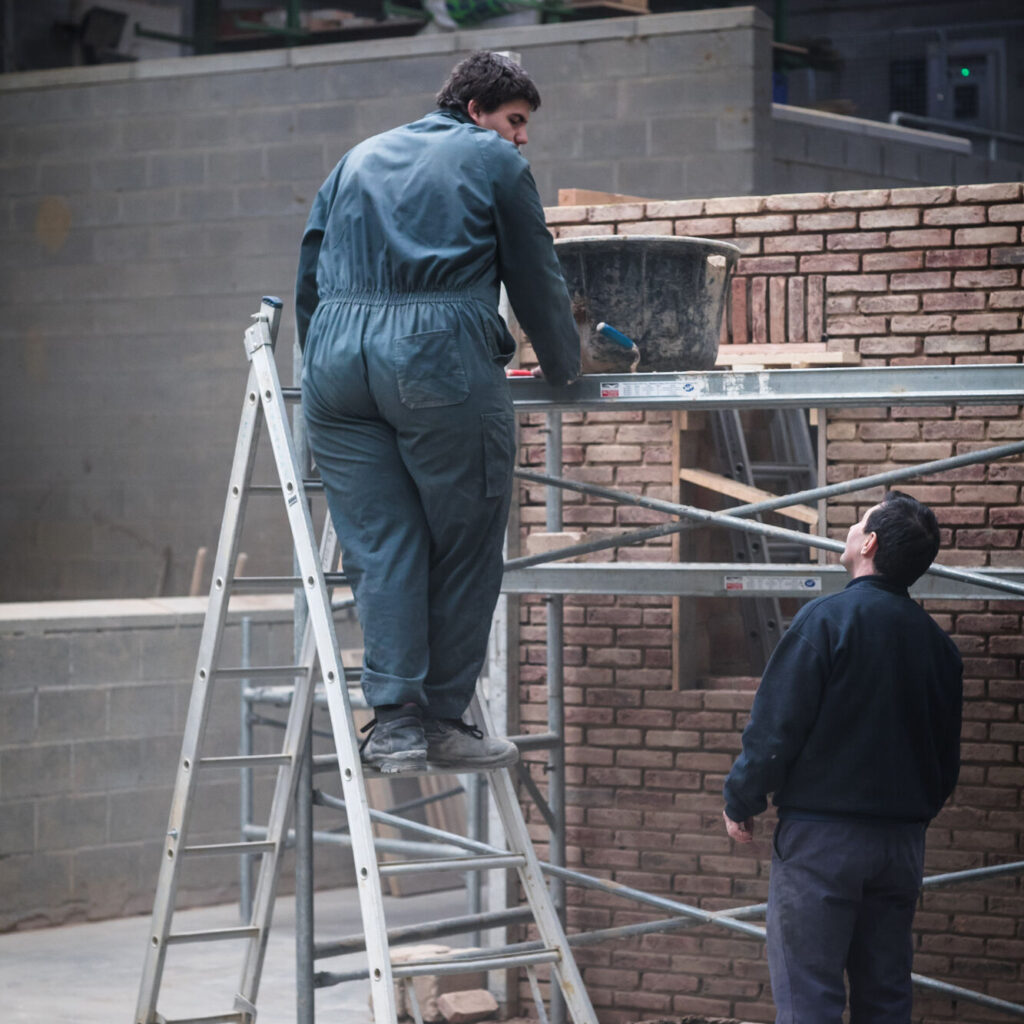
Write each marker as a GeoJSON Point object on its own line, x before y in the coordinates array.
{"type": "Point", "coordinates": [451, 743]}
{"type": "Point", "coordinates": [395, 745]}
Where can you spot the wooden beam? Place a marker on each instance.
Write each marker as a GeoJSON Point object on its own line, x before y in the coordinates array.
{"type": "Point", "coordinates": [750, 356]}
{"type": "Point", "coordinates": [746, 493]}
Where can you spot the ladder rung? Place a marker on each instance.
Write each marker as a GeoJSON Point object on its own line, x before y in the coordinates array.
{"type": "Point", "coordinates": [213, 935]}
{"type": "Point", "coordinates": [467, 965]}
{"type": "Point", "coordinates": [309, 485]}
{"type": "Point", "coordinates": [217, 848]}
{"type": "Point", "coordinates": [235, 1017]}
{"type": "Point", "coordinates": [262, 672]}
{"type": "Point", "coordinates": [259, 584]}
{"type": "Point", "coordinates": [244, 760]}
{"type": "Point", "coordinates": [481, 863]}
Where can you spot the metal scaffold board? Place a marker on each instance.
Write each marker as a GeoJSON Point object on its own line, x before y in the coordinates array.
{"type": "Point", "coordinates": [830, 388]}
{"type": "Point", "coordinates": [721, 579]}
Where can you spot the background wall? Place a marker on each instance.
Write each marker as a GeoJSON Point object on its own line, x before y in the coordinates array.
{"type": "Point", "coordinates": [901, 276]}
{"type": "Point", "coordinates": [145, 208]}
{"type": "Point", "coordinates": [93, 696]}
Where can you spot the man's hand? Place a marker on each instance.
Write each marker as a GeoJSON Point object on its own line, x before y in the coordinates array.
{"type": "Point", "coordinates": [741, 831]}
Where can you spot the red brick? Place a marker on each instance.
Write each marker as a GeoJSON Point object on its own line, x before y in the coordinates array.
{"type": "Point", "coordinates": [988, 193]}
{"type": "Point", "coordinates": [797, 310]}
{"type": "Point", "coordinates": [1007, 300]}
{"type": "Point", "coordinates": [919, 237]}
{"type": "Point", "coordinates": [796, 201]}
{"type": "Point", "coordinates": [955, 215]}
{"type": "Point", "coordinates": [856, 283]}
{"type": "Point", "coordinates": [767, 265]}
{"type": "Point", "coordinates": [954, 344]}
{"type": "Point", "coordinates": [889, 303]}
{"type": "Point", "coordinates": [891, 218]}
{"type": "Point", "coordinates": [764, 224]}
{"type": "Point", "coordinates": [985, 236]}
{"type": "Point", "coordinates": [958, 301]}
{"type": "Point", "coordinates": [957, 258]}
{"type": "Point", "coordinates": [929, 195]}
{"type": "Point", "coordinates": [857, 240]}
{"type": "Point", "coordinates": [987, 322]}
{"type": "Point", "coordinates": [794, 243]}
{"type": "Point", "coordinates": [675, 208]}
{"type": "Point", "coordinates": [920, 324]}
{"type": "Point", "coordinates": [859, 199]}
{"type": "Point", "coordinates": [893, 260]}
{"type": "Point", "coordinates": [830, 263]}
{"type": "Point", "coordinates": [735, 204]}
{"type": "Point", "coordinates": [889, 346]}
{"type": "Point", "coordinates": [1010, 212]}
{"type": "Point", "coordinates": [852, 325]}
{"type": "Point", "coordinates": [615, 212]}
{"type": "Point", "coordinates": [985, 279]}
{"type": "Point", "coordinates": [928, 279]}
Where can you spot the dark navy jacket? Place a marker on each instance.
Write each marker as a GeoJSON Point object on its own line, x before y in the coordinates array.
{"type": "Point", "coordinates": [857, 714]}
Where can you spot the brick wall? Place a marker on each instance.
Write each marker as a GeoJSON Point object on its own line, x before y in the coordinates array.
{"type": "Point", "coordinates": [899, 276]}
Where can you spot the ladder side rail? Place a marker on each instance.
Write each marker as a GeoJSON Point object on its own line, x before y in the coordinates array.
{"type": "Point", "coordinates": [545, 913]}
{"type": "Point", "coordinates": [198, 710]}
{"type": "Point", "coordinates": [322, 626]}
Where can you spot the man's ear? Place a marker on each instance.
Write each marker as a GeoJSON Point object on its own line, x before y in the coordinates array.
{"type": "Point", "coordinates": [473, 109]}
{"type": "Point", "coordinates": [870, 546]}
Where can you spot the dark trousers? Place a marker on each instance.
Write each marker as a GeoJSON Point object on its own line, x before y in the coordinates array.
{"type": "Point", "coordinates": [414, 434]}
{"type": "Point", "coordinates": [841, 900]}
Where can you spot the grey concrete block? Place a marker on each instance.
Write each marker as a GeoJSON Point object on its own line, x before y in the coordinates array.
{"type": "Point", "coordinates": [236, 165]}
{"type": "Point", "coordinates": [65, 177]}
{"type": "Point", "coordinates": [122, 172]}
{"type": "Point", "coordinates": [121, 245]}
{"type": "Point", "coordinates": [159, 760]}
{"type": "Point", "coordinates": [174, 170]}
{"type": "Point", "coordinates": [291, 162]}
{"type": "Point", "coordinates": [17, 828]}
{"type": "Point", "coordinates": [210, 203]}
{"type": "Point", "coordinates": [27, 660]}
{"type": "Point", "coordinates": [41, 770]}
{"type": "Point", "coordinates": [146, 134]}
{"type": "Point", "coordinates": [36, 888]}
{"type": "Point", "coordinates": [71, 714]}
{"type": "Point", "coordinates": [139, 815]}
{"type": "Point", "coordinates": [107, 656]}
{"type": "Point", "coordinates": [735, 131]}
{"type": "Point", "coordinates": [681, 136]}
{"type": "Point", "coordinates": [66, 822]}
{"type": "Point", "coordinates": [106, 878]}
{"type": "Point", "coordinates": [153, 206]}
{"type": "Point", "coordinates": [204, 129]}
{"type": "Point", "coordinates": [720, 174]}
{"type": "Point", "coordinates": [17, 718]}
{"type": "Point", "coordinates": [654, 179]}
{"type": "Point", "coordinates": [606, 140]}
{"type": "Point", "coordinates": [140, 710]}
{"type": "Point", "coordinates": [700, 51]}
{"type": "Point", "coordinates": [873, 156]}
{"type": "Point", "coordinates": [899, 163]}
{"type": "Point", "coordinates": [273, 199]}
{"type": "Point", "coordinates": [333, 118]}
{"type": "Point", "coordinates": [672, 95]}
{"type": "Point", "coordinates": [262, 126]}
{"type": "Point", "coordinates": [103, 765]}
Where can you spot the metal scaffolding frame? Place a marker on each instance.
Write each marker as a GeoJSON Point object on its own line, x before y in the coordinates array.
{"type": "Point", "coordinates": [981, 384]}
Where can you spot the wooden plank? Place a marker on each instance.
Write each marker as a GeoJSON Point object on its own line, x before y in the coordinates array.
{"type": "Point", "coordinates": [591, 197]}
{"type": "Point", "coordinates": [744, 492]}
{"type": "Point", "coordinates": [783, 355]}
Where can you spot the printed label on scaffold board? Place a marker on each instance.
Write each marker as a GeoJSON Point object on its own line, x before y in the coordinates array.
{"type": "Point", "coordinates": [651, 388]}
{"type": "Point", "coordinates": [810, 584]}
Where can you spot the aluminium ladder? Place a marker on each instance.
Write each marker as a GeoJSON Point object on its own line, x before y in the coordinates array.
{"type": "Point", "coordinates": [264, 402]}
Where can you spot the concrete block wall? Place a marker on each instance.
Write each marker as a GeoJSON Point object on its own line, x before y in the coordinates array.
{"type": "Point", "coordinates": [145, 208]}
{"type": "Point", "coordinates": [924, 275]}
{"type": "Point", "coordinates": [93, 697]}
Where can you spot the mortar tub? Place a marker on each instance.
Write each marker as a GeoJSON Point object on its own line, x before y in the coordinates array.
{"type": "Point", "coordinates": [667, 293]}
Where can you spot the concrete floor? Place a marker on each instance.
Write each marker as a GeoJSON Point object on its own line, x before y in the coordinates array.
{"type": "Point", "coordinates": [89, 973]}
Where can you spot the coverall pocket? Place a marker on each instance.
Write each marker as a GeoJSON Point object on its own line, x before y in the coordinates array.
{"type": "Point", "coordinates": [429, 370]}
{"type": "Point", "coordinates": [777, 846]}
{"type": "Point", "coordinates": [498, 430]}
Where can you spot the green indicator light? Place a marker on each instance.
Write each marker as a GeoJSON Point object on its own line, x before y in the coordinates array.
{"type": "Point", "coordinates": [965, 72]}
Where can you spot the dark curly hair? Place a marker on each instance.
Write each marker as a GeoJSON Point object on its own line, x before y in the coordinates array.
{"type": "Point", "coordinates": [908, 537]}
{"type": "Point", "coordinates": [491, 80]}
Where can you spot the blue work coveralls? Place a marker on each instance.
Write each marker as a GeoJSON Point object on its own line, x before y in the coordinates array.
{"type": "Point", "coordinates": [407, 405]}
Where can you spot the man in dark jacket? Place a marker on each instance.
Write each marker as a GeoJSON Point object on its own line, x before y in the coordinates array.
{"type": "Point", "coordinates": [405, 396]}
{"type": "Point", "coordinates": [855, 729]}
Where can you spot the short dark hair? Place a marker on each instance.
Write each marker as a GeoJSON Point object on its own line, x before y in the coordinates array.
{"type": "Point", "coordinates": [491, 80]}
{"type": "Point", "coordinates": [908, 537]}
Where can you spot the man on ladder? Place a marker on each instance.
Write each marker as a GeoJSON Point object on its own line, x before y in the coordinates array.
{"type": "Point", "coordinates": [405, 396]}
